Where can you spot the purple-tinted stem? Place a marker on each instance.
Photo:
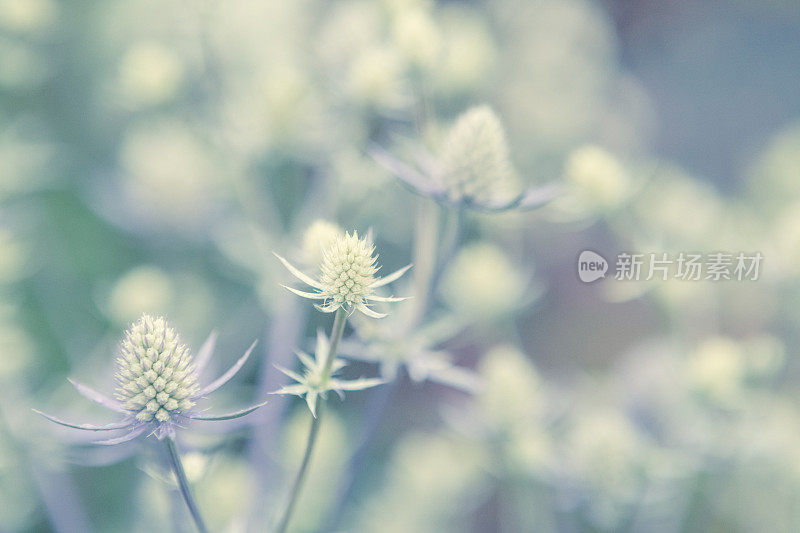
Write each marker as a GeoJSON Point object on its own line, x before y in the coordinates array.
{"type": "Point", "coordinates": [283, 337]}
{"type": "Point", "coordinates": [183, 484]}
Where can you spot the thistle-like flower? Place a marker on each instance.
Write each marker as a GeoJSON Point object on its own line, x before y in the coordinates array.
{"type": "Point", "coordinates": [157, 384]}
{"type": "Point", "coordinates": [314, 382]}
{"type": "Point", "coordinates": [473, 168]}
{"type": "Point", "coordinates": [475, 162]}
{"type": "Point", "coordinates": [347, 277]}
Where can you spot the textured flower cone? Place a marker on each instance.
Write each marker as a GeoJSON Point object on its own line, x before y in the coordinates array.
{"type": "Point", "coordinates": [347, 277]}
{"type": "Point", "coordinates": [156, 377]}
{"type": "Point", "coordinates": [475, 158]}
{"type": "Point", "coordinates": [348, 270]}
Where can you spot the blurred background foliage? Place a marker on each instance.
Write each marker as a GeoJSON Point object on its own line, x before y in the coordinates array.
{"type": "Point", "coordinates": [154, 153]}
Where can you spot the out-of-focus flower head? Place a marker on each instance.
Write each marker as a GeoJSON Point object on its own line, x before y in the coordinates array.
{"type": "Point", "coordinates": [717, 369]}
{"type": "Point", "coordinates": [25, 26]}
{"type": "Point", "coordinates": [144, 287]}
{"type": "Point", "coordinates": [157, 384]}
{"type": "Point", "coordinates": [182, 295]}
{"type": "Point", "coordinates": [514, 393]}
{"type": "Point", "coordinates": [595, 182]}
{"type": "Point", "coordinates": [509, 417]}
{"type": "Point", "coordinates": [27, 16]}
{"type": "Point", "coordinates": [482, 284]}
{"type": "Point", "coordinates": [169, 175]}
{"type": "Point", "coordinates": [314, 382]}
{"type": "Point", "coordinates": [468, 50]}
{"type": "Point", "coordinates": [773, 176]}
{"type": "Point", "coordinates": [317, 238]}
{"type": "Point", "coordinates": [392, 346]}
{"type": "Point", "coordinates": [722, 369]}
{"type": "Point", "coordinates": [347, 277]}
{"type": "Point", "coordinates": [783, 243]}
{"type": "Point", "coordinates": [605, 454]}
{"type": "Point", "coordinates": [417, 37]}
{"type": "Point", "coordinates": [432, 479]}
{"type": "Point", "coordinates": [473, 168]}
{"type": "Point", "coordinates": [26, 157]}
{"type": "Point", "coordinates": [150, 74]}
{"type": "Point", "coordinates": [375, 78]}
{"type": "Point", "coordinates": [663, 210]}
{"type": "Point", "coordinates": [560, 77]}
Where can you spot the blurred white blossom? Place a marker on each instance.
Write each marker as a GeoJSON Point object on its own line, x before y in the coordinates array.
{"type": "Point", "coordinates": [319, 236]}
{"type": "Point", "coordinates": [150, 74]}
{"type": "Point", "coordinates": [596, 182]}
{"type": "Point", "coordinates": [483, 284]}
{"type": "Point", "coordinates": [170, 174]}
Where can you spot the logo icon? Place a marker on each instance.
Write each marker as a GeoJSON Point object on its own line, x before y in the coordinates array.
{"type": "Point", "coordinates": [591, 266]}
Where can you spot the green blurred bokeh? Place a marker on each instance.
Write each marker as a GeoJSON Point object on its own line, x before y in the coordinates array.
{"type": "Point", "coordinates": [153, 154]}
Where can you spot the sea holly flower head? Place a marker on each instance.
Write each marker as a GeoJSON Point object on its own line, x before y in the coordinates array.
{"type": "Point", "coordinates": [347, 277]}
{"type": "Point", "coordinates": [475, 162]}
{"type": "Point", "coordinates": [157, 383]}
{"type": "Point", "coordinates": [348, 270]}
{"type": "Point", "coordinates": [314, 382]}
{"type": "Point", "coordinates": [473, 168]}
{"type": "Point", "coordinates": [497, 286]}
{"type": "Point", "coordinates": [156, 376]}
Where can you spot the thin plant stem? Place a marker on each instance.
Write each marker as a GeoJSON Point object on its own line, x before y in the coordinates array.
{"type": "Point", "coordinates": [432, 249]}
{"type": "Point", "coordinates": [337, 331]}
{"type": "Point", "coordinates": [427, 228]}
{"type": "Point", "coordinates": [183, 483]}
{"type": "Point", "coordinates": [336, 335]}
{"type": "Point", "coordinates": [301, 473]}
{"type": "Point", "coordinates": [451, 236]}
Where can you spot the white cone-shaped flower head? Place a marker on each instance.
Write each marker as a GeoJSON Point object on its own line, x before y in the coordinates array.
{"type": "Point", "coordinates": [475, 163]}
{"type": "Point", "coordinates": [348, 270]}
{"type": "Point", "coordinates": [156, 377]}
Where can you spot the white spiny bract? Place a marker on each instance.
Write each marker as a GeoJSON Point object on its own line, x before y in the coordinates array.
{"type": "Point", "coordinates": [347, 277]}
{"type": "Point", "coordinates": [157, 384]}
{"type": "Point", "coordinates": [313, 382]}
{"type": "Point", "coordinates": [156, 377]}
{"type": "Point", "coordinates": [389, 344]}
{"type": "Point", "coordinates": [475, 162]}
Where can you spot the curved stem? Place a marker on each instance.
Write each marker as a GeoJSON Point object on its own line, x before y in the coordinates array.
{"type": "Point", "coordinates": [183, 483]}
{"type": "Point", "coordinates": [337, 331]}
{"type": "Point", "coordinates": [301, 473]}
